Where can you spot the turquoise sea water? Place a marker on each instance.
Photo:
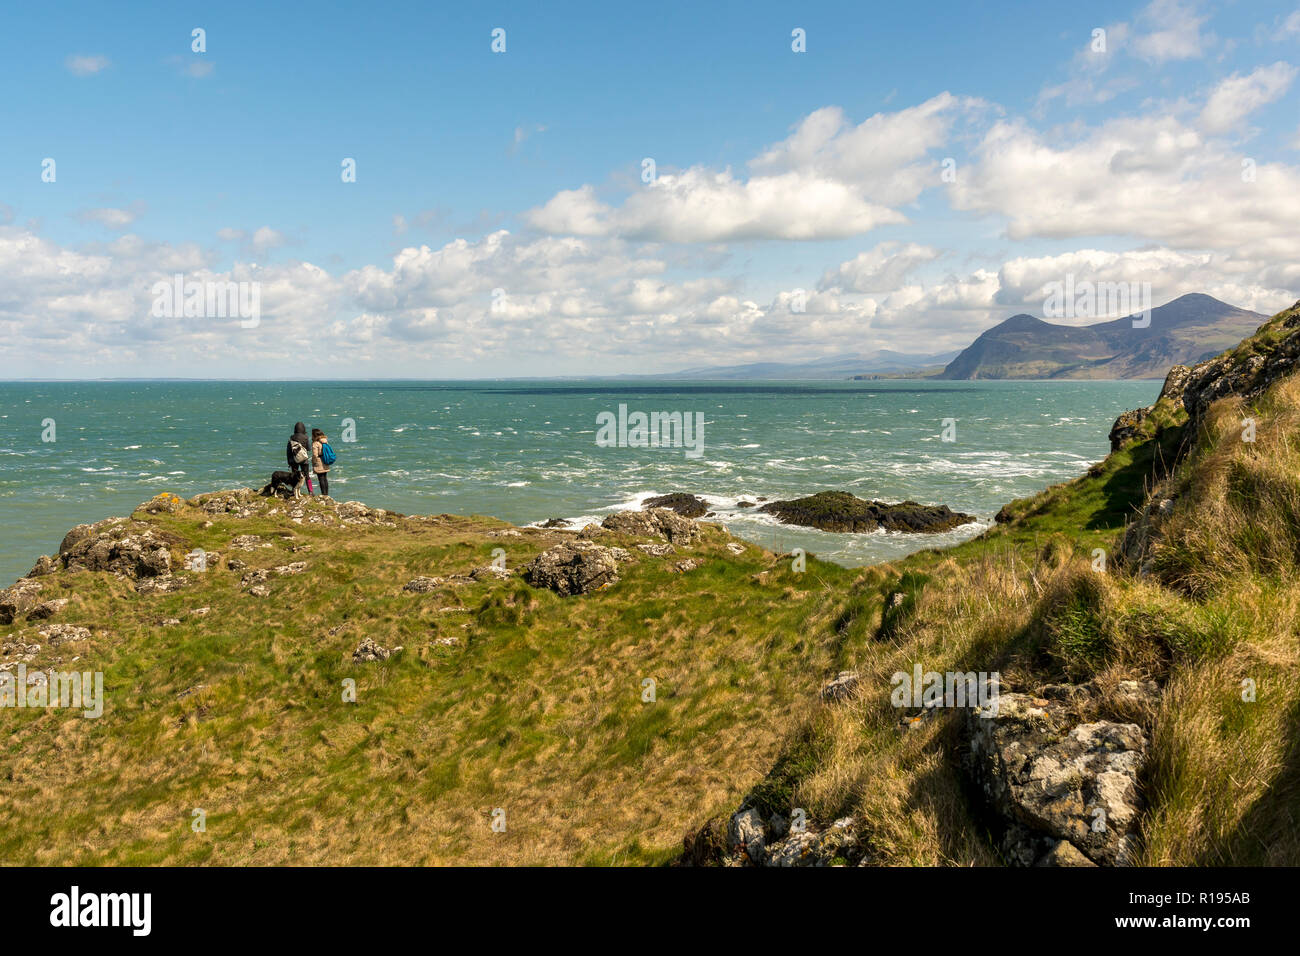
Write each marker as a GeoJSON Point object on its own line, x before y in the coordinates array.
{"type": "Point", "coordinates": [526, 451]}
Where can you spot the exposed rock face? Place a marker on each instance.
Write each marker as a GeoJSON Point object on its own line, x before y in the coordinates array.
{"type": "Point", "coordinates": [131, 549]}
{"type": "Point", "coordinates": [1055, 782]}
{"type": "Point", "coordinates": [1248, 374]}
{"type": "Point", "coordinates": [841, 511]}
{"type": "Point", "coordinates": [18, 600]}
{"type": "Point", "coordinates": [577, 567]}
{"type": "Point", "coordinates": [688, 506]}
{"type": "Point", "coordinates": [47, 609]}
{"type": "Point", "coordinates": [654, 523]}
{"type": "Point", "coordinates": [490, 572]}
{"type": "Point", "coordinates": [1128, 423]}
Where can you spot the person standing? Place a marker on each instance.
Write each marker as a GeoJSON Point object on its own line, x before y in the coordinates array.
{"type": "Point", "coordinates": [298, 454]}
{"type": "Point", "coordinates": [322, 456]}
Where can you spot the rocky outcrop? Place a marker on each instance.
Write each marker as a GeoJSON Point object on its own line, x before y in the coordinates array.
{"type": "Point", "coordinates": [1050, 779]}
{"type": "Point", "coordinates": [654, 523]}
{"type": "Point", "coordinates": [132, 549]}
{"type": "Point", "coordinates": [841, 511]}
{"type": "Point", "coordinates": [577, 567]}
{"type": "Point", "coordinates": [688, 506]}
{"type": "Point", "coordinates": [18, 599]}
{"type": "Point", "coordinates": [1128, 424]}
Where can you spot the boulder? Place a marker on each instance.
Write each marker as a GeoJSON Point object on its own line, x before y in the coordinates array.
{"type": "Point", "coordinates": [654, 523]}
{"type": "Point", "coordinates": [841, 511]}
{"type": "Point", "coordinates": [47, 609]}
{"type": "Point", "coordinates": [745, 834]}
{"type": "Point", "coordinates": [44, 565]}
{"type": "Point", "coordinates": [576, 567]}
{"type": "Point", "coordinates": [368, 651]}
{"type": "Point", "coordinates": [688, 506]}
{"type": "Point", "coordinates": [1056, 781]}
{"type": "Point", "coordinates": [18, 599]}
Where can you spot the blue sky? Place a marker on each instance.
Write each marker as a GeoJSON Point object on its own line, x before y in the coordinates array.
{"type": "Point", "coordinates": [225, 165]}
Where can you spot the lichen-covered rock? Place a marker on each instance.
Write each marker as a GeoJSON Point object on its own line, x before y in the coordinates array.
{"type": "Point", "coordinates": [576, 567]}
{"type": "Point", "coordinates": [18, 599]}
{"type": "Point", "coordinates": [368, 651]}
{"type": "Point", "coordinates": [1069, 783]}
{"type": "Point", "coordinates": [423, 585]}
{"type": "Point", "coordinates": [654, 523]}
{"type": "Point", "coordinates": [44, 565]}
{"type": "Point", "coordinates": [745, 834]}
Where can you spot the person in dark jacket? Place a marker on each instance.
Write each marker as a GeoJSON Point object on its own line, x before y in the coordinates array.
{"type": "Point", "coordinates": [298, 447]}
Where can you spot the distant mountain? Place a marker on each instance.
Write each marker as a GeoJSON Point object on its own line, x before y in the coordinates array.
{"type": "Point", "coordinates": [1182, 332]}
{"type": "Point", "coordinates": [881, 362]}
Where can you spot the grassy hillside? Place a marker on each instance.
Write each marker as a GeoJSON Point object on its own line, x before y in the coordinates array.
{"type": "Point", "coordinates": [1211, 601]}
{"type": "Point", "coordinates": [503, 696]}
{"type": "Point", "coordinates": [508, 696]}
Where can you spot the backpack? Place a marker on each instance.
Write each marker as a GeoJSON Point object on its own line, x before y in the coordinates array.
{"type": "Point", "coordinates": [300, 454]}
{"type": "Point", "coordinates": [327, 455]}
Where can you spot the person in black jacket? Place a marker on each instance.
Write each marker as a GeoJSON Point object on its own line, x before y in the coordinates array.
{"type": "Point", "coordinates": [298, 446]}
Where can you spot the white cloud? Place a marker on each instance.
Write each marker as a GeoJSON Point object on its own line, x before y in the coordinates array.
{"type": "Point", "coordinates": [828, 180]}
{"type": "Point", "coordinates": [879, 269]}
{"type": "Point", "coordinates": [1238, 96]}
{"type": "Point", "coordinates": [80, 64]}
{"type": "Point", "coordinates": [1174, 32]}
{"type": "Point", "coordinates": [1150, 176]}
{"type": "Point", "coordinates": [112, 219]}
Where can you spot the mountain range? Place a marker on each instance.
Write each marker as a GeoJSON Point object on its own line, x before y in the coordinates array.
{"type": "Point", "coordinates": [834, 367]}
{"type": "Point", "coordinates": [1185, 331]}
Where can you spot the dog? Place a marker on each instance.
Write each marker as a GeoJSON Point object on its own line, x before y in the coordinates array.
{"type": "Point", "coordinates": [283, 483]}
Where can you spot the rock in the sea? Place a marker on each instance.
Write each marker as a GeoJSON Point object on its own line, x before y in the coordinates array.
{"type": "Point", "coordinates": [654, 523]}
{"type": "Point", "coordinates": [841, 511]}
{"type": "Point", "coordinates": [1065, 783]}
{"type": "Point", "coordinates": [688, 506]}
{"type": "Point", "coordinates": [554, 523]}
{"type": "Point", "coordinates": [576, 567]}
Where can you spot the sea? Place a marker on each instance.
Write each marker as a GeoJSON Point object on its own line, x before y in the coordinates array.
{"type": "Point", "coordinates": [527, 451]}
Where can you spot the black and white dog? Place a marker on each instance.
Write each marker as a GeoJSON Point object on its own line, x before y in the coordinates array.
{"type": "Point", "coordinates": [283, 483]}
